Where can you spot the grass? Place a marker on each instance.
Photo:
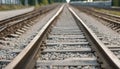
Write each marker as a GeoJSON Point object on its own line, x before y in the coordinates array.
{"type": "Point", "coordinates": [10, 7]}
{"type": "Point", "coordinates": [109, 11]}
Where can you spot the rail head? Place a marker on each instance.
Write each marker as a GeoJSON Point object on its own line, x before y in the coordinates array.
{"type": "Point", "coordinates": [18, 61]}
{"type": "Point", "coordinates": [108, 54]}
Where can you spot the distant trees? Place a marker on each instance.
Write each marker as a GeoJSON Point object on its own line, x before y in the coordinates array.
{"type": "Point", "coordinates": [44, 2]}
{"type": "Point", "coordinates": [50, 1]}
{"type": "Point", "coordinates": [60, 1]}
{"type": "Point", "coordinates": [116, 2]}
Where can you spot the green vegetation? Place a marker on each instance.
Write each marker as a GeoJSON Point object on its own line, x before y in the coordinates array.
{"type": "Point", "coordinates": [50, 1]}
{"type": "Point", "coordinates": [44, 2]}
{"type": "Point", "coordinates": [116, 2]}
{"type": "Point", "coordinates": [27, 3]}
{"type": "Point", "coordinates": [10, 7]}
{"type": "Point", "coordinates": [40, 2]}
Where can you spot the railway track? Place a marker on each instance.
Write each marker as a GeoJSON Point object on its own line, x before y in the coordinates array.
{"type": "Point", "coordinates": [112, 21]}
{"type": "Point", "coordinates": [66, 47]}
{"type": "Point", "coordinates": [65, 42]}
{"type": "Point", "coordinates": [109, 37]}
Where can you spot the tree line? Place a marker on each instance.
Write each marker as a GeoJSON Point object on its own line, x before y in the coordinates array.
{"type": "Point", "coordinates": [43, 2]}
{"type": "Point", "coordinates": [116, 2]}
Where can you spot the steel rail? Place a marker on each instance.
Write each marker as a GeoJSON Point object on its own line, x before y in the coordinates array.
{"type": "Point", "coordinates": [111, 58]}
{"type": "Point", "coordinates": [26, 59]}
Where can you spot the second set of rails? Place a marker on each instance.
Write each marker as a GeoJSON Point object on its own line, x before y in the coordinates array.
{"type": "Point", "coordinates": [10, 25]}
{"type": "Point", "coordinates": [112, 21]}
{"type": "Point", "coordinates": [65, 42]}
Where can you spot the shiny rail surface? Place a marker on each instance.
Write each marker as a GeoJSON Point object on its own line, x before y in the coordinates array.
{"type": "Point", "coordinates": [65, 42]}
